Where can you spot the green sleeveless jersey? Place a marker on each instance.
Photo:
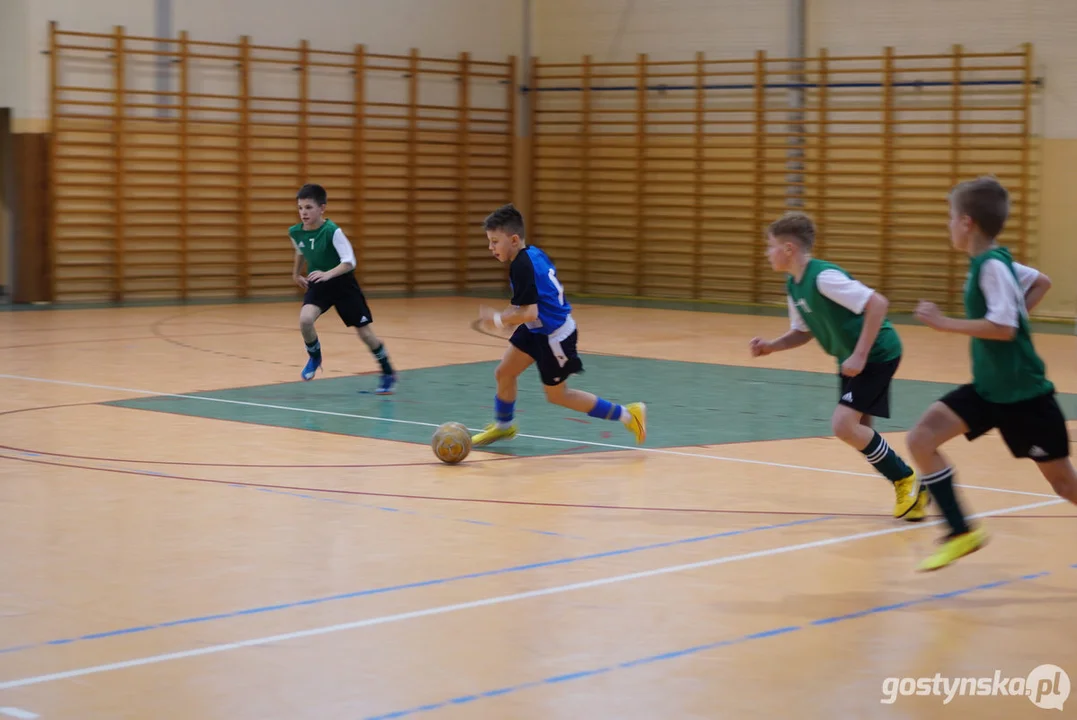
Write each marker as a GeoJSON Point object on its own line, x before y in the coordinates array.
{"type": "Point", "coordinates": [1003, 371]}
{"type": "Point", "coordinates": [834, 326]}
{"type": "Point", "coordinates": [316, 245]}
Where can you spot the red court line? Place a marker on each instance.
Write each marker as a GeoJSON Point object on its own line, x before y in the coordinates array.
{"type": "Point", "coordinates": [181, 463]}
{"type": "Point", "coordinates": [126, 339]}
{"type": "Point", "coordinates": [488, 501]}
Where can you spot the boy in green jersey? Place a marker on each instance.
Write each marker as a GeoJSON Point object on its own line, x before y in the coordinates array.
{"type": "Point", "coordinates": [848, 319]}
{"type": "Point", "coordinates": [330, 282]}
{"type": "Point", "coordinates": [1009, 389]}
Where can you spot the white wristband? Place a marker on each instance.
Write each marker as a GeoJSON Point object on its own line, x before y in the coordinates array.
{"type": "Point", "coordinates": [497, 321]}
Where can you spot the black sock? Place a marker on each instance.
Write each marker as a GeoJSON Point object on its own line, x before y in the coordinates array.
{"type": "Point", "coordinates": [941, 485]}
{"type": "Point", "coordinates": [885, 460]}
{"type": "Point", "coordinates": [383, 359]}
{"type": "Point", "coordinates": [314, 349]}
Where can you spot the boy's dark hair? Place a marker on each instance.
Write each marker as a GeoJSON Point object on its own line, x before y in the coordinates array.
{"type": "Point", "coordinates": [984, 200]}
{"type": "Point", "coordinates": [797, 225]}
{"type": "Point", "coordinates": [310, 191]}
{"type": "Point", "coordinates": [507, 219]}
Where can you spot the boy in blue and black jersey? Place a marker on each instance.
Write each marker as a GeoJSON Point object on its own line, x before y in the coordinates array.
{"type": "Point", "coordinates": [545, 334]}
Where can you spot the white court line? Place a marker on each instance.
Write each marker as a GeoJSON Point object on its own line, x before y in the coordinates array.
{"type": "Point", "coordinates": [18, 713]}
{"type": "Point", "coordinates": [658, 451]}
{"type": "Point", "coordinates": [485, 602]}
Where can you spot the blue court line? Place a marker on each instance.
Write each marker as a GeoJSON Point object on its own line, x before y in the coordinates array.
{"type": "Point", "coordinates": [694, 650]}
{"type": "Point", "coordinates": [417, 584]}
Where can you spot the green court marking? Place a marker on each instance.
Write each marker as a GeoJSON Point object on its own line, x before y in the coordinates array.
{"type": "Point", "coordinates": [687, 404]}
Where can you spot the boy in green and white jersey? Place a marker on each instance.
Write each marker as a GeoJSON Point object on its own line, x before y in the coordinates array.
{"type": "Point", "coordinates": [330, 282]}
{"type": "Point", "coordinates": [848, 319]}
{"type": "Point", "coordinates": [1009, 389]}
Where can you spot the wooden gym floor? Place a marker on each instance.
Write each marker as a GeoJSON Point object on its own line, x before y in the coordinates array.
{"type": "Point", "coordinates": [186, 531]}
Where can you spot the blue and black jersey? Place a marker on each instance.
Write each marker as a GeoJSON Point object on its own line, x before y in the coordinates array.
{"type": "Point", "coordinates": [533, 279]}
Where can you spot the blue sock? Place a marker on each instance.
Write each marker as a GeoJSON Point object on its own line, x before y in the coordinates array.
{"type": "Point", "coordinates": [605, 410]}
{"type": "Point", "coordinates": [503, 411]}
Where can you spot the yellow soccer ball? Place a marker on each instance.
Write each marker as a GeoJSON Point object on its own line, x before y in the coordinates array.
{"type": "Point", "coordinates": [451, 442]}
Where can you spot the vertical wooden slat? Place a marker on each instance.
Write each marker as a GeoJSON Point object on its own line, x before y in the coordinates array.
{"type": "Point", "coordinates": [532, 120]}
{"type": "Point", "coordinates": [304, 112]}
{"type": "Point", "coordinates": [797, 183]}
{"type": "Point", "coordinates": [641, 180]}
{"type": "Point", "coordinates": [886, 199]}
{"type": "Point", "coordinates": [184, 177]}
{"type": "Point", "coordinates": [511, 146]}
{"type": "Point", "coordinates": [245, 180]}
{"type": "Point", "coordinates": [119, 142]}
{"type": "Point", "coordinates": [357, 231]}
{"type": "Point", "coordinates": [412, 160]}
{"type": "Point", "coordinates": [760, 105]}
{"type": "Point", "coordinates": [51, 174]}
{"type": "Point", "coordinates": [823, 140]}
{"type": "Point", "coordinates": [585, 175]}
{"type": "Point", "coordinates": [697, 194]}
{"type": "Point", "coordinates": [463, 181]}
{"type": "Point", "coordinates": [953, 282]}
{"type": "Point", "coordinates": [1026, 162]}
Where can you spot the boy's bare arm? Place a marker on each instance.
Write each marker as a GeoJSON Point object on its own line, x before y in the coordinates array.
{"type": "Point", "coordinates": [1035, 294]}
{"type": "Point", "coordinates": [788, 341]}
{"type": "Point", "coordinates": [929, 314]}
{"type": "Point", "coordinates": [297, 265]}
{"type": "Point", "coordinates": [511, 317]}
{"type": "Point", "coordinates": [874, 314]}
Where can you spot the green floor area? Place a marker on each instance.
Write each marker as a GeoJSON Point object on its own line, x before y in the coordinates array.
{"type": "Point", "coordinates": [688, 404]}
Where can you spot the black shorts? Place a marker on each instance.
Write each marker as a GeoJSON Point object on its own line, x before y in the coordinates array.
{"type": "Point", "coordinates": [1033, 428]}
{"type": "Point", "coordinates": [869, 392]}
{"type": "Point", "coordinates": [343, 293]}
{"type": "Point", "coordinates": [556, 360]}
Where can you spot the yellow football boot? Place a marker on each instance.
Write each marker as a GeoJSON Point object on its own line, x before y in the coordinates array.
{"type": "Point", "coordinates": [493, 433]}
{"type": "Point", "coordinates": [917, 512]}
{"type": "Point", "coordinates": [954, 548]}
{"type": "Point", "coordinates": [638, 423]}
{"type": "Point", "coordinates": [907, 492]}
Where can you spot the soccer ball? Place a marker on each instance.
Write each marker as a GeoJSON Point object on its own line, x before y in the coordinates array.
{"type": "Point", "coordinates": [451, 442]}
